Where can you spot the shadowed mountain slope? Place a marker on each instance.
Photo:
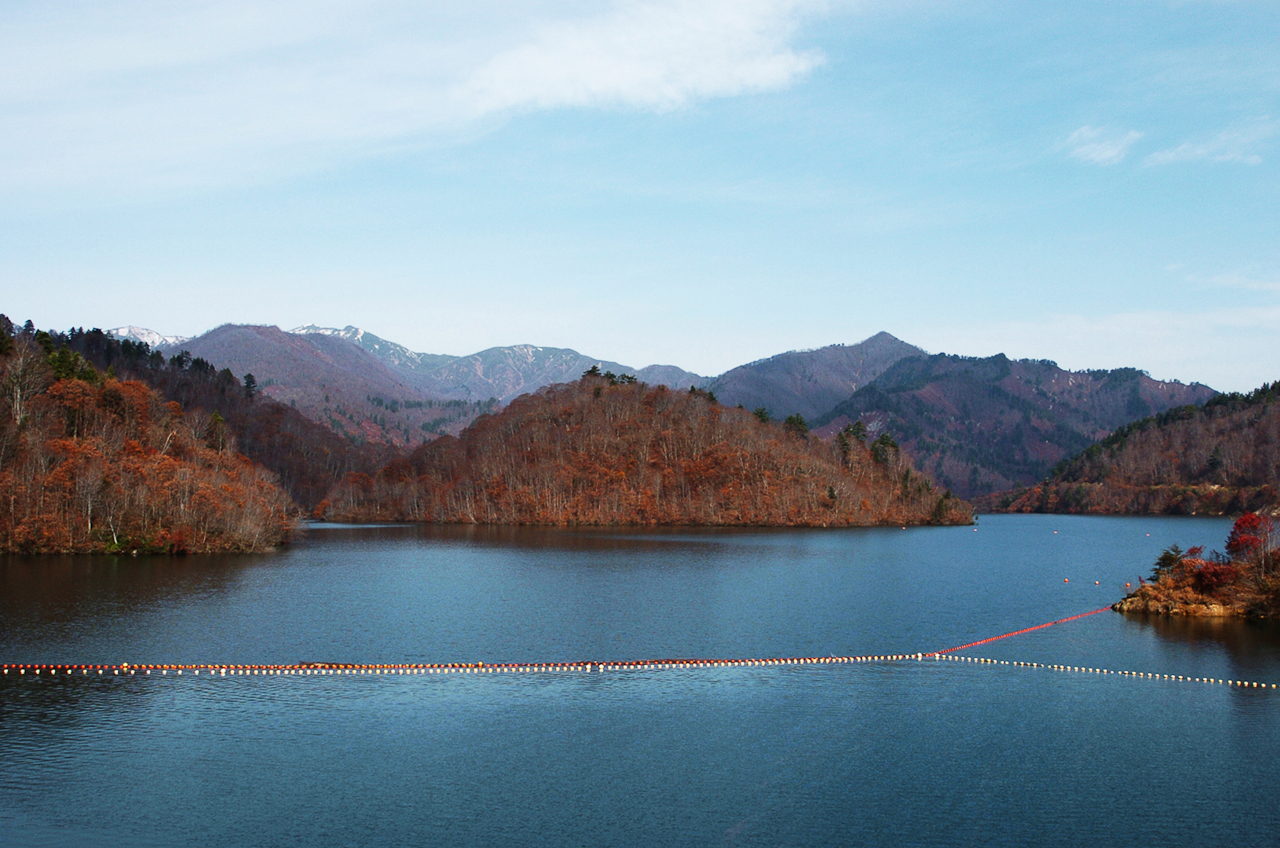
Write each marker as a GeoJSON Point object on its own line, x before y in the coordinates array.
{"type": "Point", "coordinates": [335, 382]}
{"type": "Point", "coordinates": [985, 425]}
{"type": "Point", "coordinates": [810, 382]}
{"type": "Point", "coordinates": [1219, 458]}
{"type": "Point", "coordinates": [368, 388]}
{"type": "Point", "coordinates": [508, 372]}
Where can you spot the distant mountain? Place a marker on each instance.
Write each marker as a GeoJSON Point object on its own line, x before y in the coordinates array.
{"type": "Point", "coordinates": [984, 425]}
{"type": "Point", "coordinates": [364, 386]}
{"type": "Point", "coordinates": [503, 373]}
{"type": "Point", "coordinates": [1219, 458]}
{"type": "Point", "coordinates": [508, 372]}
{"type": "Point", "coordinates": [389, 352]}
{"type": "Point", "coordinates": [333, 380]}
{"type": "Point", "coordinates": [810, 382]}
{"type": "Point", "coordinates": [142, 334]}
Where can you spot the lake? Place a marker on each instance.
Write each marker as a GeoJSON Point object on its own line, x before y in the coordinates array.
{"type": "Point", "coordinates": [886, 753]}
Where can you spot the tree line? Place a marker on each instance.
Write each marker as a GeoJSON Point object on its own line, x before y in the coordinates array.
{"type": "Point", "coordinates": [91, 462]}
{"type": "Point", "coordinates": [1222, 457]}
{"type": "Point", "coordinates": [604, 451]}
{"type": "Point", "coordinates": [307, 457]}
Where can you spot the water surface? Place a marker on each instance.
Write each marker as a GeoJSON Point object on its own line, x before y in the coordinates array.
{"type": "Point", "coordinates": [922, 753]}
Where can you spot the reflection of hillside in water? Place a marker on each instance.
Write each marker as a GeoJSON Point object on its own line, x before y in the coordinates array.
{"type": "Point", "coordinates": [52, 599]}
{"type": "Point", "coordinates": [42, 596]}
{"type": "Point", "coordinates": [1251, 647]}
{"type": "Point", "coordinates": [576, 539]}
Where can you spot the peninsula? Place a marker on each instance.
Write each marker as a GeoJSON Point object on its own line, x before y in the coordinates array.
{"type": "Point", "coordinates": [1244, 582]}
{"type": "Point", "coordinates": [610, 450]}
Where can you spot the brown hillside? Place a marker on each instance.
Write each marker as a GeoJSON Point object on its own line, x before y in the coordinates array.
{"type": "Point", "coordinates": [1217, 459]}
{"type": "Point", "coordinates": [602, 452]}
{"type": "Point", "coordinates": [97, 465]}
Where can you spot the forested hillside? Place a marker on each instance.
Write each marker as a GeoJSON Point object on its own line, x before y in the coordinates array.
{"type": "Point", "coordinates": [94, 463]}
{"type": "Point", "coordinates": [1219, 458]}
{"type": "Point", "coordinates": [308, 458]}
{"type": "Point", "coordinates": [985, 425]}
{"type": "Point", "coordinates": [611, 451]}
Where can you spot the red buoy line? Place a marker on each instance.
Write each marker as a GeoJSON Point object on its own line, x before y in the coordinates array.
{"type": "Point", "coordinates": [323, 668]}
{"type": "Point", "coordinates": [1018, 632]}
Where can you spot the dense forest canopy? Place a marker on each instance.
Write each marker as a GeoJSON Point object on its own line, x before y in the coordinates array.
{"type": "Point", "coordinates": [91, 462]}
{"type": "Point", "coordinates": [1219, 458]}
{"type": "Point", "coordinates": [610, 450]}
{"type": "Point", "coordinates": [308, 458]}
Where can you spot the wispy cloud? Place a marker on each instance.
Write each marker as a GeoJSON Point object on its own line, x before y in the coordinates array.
{"type": "Point", "coordinates": [1235, 144]}
{"type": "Point", "coordinates": [1101, 145]}
{"type": "Point", "coordinates": [1245, 281]}
{"type": "Point", "coordinates": [156, 94]}
{"type": "Point", "coordinates": [656, 55]}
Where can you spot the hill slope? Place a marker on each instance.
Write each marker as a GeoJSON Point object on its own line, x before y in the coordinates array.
{"type": "Point", "coordinates": [367, 388]}
{"type": "Point", "coordinates": [94, 464]}
{"type": "Point", "coordinates": [594, 452]}
{"type": "Point", "coordinates": [1223, 457]}
{"type": "Point", "coordinates": [506, 373]}
{"type": "Point", "coordinates": [336, 382]}
{"type": "Point", "coordinates": [810, 382]}
{"type": "Point", "coordinates": [984, 425]}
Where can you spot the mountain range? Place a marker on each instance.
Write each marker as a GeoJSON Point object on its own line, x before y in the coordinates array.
{"type": "Point", "coordinates": [810, 382]}
{"type": "Point", "coordinates": [369, 388]}
{"type": "Point", "coordinates": [976, 425]}
{"type": "Point", "coordinates": [1219, 458]}
{"type": "Point", "coordinates": [980, 425]}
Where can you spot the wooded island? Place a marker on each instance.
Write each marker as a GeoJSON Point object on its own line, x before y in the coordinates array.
{"type": "Point", "coordinates": [1243, 581]}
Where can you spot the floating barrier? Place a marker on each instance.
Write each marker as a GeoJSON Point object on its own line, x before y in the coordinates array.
{"type": "Point", "coordinates": [308, 669]}
{"type": "Point", "coordinates": [585, 666]}
{"type": "Point", "coordinates": [1243, 684]}
{"type": "Point", "coordinates": [1019, 632]}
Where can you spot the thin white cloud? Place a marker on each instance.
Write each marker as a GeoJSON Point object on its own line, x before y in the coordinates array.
{"type": "Point", "coordinates": [1245, 281]}
{"type": "Point", "coordinates": [654, 55]}
{"type": "Point", "coordinates": [151, 94]}
{"type": "Point", "coordinates": [1101, 145]}
{"type": "Point", "coordinates": [1235, 144]}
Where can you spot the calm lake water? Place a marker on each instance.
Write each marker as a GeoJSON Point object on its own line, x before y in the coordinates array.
{"type": "Point", "coordinates": [907, 753]}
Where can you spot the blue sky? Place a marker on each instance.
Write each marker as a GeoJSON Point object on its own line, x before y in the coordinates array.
{"type": "Point", "coordinates": [693, 183]}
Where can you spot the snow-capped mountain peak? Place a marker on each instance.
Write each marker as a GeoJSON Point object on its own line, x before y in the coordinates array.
{"type": "Point", "coordinates": [150, 337]}
{"type": "Point", "coordinates": [353, 334]}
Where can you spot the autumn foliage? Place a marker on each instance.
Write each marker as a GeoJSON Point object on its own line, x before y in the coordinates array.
{"type": "Point", "coordinates": [1218, 459]}
{"type": "Point", "coordinates": [89, 464]}
{"type": "Point", "coordinates": [602, 452]}
{"type": "Point", "coordinates": [1244, 581]}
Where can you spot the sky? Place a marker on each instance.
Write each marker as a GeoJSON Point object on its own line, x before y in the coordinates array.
{"type": "Point", "coordinates": [656, 181]}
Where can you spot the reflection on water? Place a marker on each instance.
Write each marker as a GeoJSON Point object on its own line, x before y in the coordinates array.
{"type": "Point", "coordinates": [1251, 646]}
{"type": "Point", "coordinates": [910, 753]}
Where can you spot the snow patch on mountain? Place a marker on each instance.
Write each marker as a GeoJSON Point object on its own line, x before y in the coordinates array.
{"type": "Point", "coordinates": [150, 337]}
